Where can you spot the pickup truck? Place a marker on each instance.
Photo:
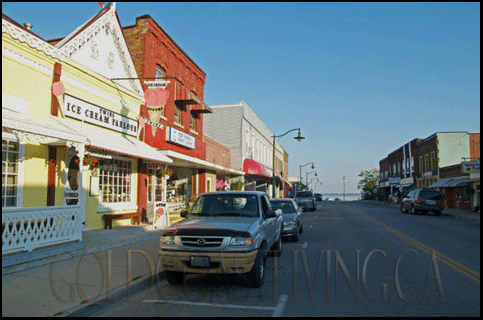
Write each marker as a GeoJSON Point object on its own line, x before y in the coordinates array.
{"type": "Point", "coordinates": [225, 232]}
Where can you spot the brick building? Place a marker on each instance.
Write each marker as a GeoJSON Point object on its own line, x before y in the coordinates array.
{"type": "Point", "coordinates": [178, 132]}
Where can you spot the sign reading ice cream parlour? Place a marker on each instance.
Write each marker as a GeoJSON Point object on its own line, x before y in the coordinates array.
{"type": "Point", "coordinates": [88, 112]}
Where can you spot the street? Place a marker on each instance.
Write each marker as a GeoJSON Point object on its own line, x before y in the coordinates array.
{"type": "Point", "coordinates": [353, 259]}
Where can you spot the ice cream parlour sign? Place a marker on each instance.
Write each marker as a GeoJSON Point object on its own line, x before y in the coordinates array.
{"type": "Point", "coordinates": [88, 112]}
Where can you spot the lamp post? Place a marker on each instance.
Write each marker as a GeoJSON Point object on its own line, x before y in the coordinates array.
{"type": "Point", "coordinates": [298, 138]}
{"type": "Point", "coordinates": [307, 176]}
{"type": "Point", "coordinates": [300, 176]}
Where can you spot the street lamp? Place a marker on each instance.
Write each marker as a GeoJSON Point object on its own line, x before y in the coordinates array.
{"type": "Point", "coordinates": [298, 138]}
{"type": "Point", "coordinates": [300, 176]}
{"type": "Point", "coordinates": [307, 176]}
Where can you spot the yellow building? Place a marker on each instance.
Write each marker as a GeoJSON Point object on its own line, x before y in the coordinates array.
{"type": "Point", "coordinates": [70, 147]}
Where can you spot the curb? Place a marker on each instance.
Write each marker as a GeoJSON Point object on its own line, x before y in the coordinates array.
{"type": "Point", "coordinates": [119, 296]}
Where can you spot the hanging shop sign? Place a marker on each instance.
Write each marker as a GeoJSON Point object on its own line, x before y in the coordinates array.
{"type": "Point", "coordinates": [470, 166]}
{"type": "Point", "coordinates": [394, 180]}
{"type": "Point", "coordinates": [88, 112]}
{"type": "Point", "coordinates": [179, 137]}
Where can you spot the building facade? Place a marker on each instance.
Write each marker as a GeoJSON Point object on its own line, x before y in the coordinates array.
{"type": "Point", "coordinates": [399, 170]}
{"type": "Point", "coordinates": [250, 142]}
{"type": "Point", "coordinates": [70, 134]}
{"type": "Point", "coordinates": [434, 162]}
{"type": "Point", "coordinates": [178, 128]}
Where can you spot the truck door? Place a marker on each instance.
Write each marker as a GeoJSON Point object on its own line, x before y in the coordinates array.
{"type": "Point", "coordinates": [271, 223]}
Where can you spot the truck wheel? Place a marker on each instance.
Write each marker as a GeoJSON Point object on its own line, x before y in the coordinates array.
{"type": "Point", "coordinates": [256, 275]}
{"type": "Point", "coordinates": [413, 210]}
{"type": "Point", "coordinates": [174, 277]}
{"type": "Point", "coordinates": [403, 210]}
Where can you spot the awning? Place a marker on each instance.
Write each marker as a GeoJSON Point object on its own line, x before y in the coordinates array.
{"type": "Point", "coordinates": [182, 160]}
{"type": "Point", "coordinates": [46, 131]}
{"type": "Point", "coordinates": [451, 182]}
{"type": "Point", "coordinates": [121, 144]}
{"type": "Point", "coordinates": [255, 168]}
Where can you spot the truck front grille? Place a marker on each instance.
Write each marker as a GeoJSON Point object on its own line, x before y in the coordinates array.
{"type": "Point", "coordinates": [201, 242]}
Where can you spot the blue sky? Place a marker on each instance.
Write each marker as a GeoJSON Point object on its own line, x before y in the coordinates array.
{"type": "Point", "coordinates": [359, 79]}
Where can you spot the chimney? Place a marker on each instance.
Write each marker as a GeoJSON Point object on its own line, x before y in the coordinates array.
{"type": "Point", "coordinates": [28, 26]}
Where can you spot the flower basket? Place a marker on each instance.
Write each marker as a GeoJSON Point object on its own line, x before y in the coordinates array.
{"type": "Point", "coordinates": [165, 173]}
{"type": "Point", "coordinates": [89, 161]}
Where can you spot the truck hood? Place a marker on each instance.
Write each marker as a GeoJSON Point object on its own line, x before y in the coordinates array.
{"type": "Point", "coordinates": [212, 226]}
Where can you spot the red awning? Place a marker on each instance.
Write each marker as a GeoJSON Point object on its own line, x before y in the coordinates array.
{"type": "Point", "coordinates": [252, 167]}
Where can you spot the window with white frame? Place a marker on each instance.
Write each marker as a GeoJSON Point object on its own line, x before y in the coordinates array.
{"type": "Point", "coordinates": [115, 183]}
{"type": "Point", "coordinates": [10, 172]}
{"type": "Point", "coordinates": [247, 141]}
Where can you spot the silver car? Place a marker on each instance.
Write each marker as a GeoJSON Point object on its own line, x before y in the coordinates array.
{"type": "Point", "coordinates": [305, 200]}
{"type": "Point", "coordinates": [292, 225]}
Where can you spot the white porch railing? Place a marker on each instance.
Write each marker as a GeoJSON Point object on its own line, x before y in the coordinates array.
{"type": "Point", "coordinates": [25, 229]}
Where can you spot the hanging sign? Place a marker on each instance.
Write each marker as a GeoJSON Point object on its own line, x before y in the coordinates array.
{"type": "Point", "coordinates": [179, 137]}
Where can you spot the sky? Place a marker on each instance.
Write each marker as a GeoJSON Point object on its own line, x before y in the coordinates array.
{"type": "Point", "coordinates": [359, 79]}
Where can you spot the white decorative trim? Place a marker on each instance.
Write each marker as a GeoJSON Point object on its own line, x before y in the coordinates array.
{"type": "Point", "coordinates": [108, 22]}
{"type": "Point", "coordinates": [33, 41]}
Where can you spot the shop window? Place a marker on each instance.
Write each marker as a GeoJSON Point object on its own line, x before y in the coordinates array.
{"type": "Point", "coordinates": [10, 170]}
{"type": "Point", "coordinates": [115, 181]}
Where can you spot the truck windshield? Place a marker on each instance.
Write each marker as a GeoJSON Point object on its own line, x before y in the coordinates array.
{"type": "Point", "coordinates": [215, 205]}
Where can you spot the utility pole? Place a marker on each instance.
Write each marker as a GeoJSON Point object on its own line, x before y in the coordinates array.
{"type": "Point", "coordinates": [343, 179]}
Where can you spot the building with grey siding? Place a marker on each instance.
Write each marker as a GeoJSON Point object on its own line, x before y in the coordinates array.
{"type": "Point", "coordinates": [238, 127]}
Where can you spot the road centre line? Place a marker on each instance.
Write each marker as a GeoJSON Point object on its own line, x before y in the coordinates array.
{"type": "Point", "coordinates": [469, 273]}
{"type": "Point", "coordinates": [277, 310]}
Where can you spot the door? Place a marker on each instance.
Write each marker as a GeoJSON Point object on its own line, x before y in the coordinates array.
{"type": "Point", "coordinates": [155, 191]}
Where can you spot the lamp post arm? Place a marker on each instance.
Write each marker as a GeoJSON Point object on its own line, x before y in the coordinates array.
{"type": "Point", "coordinates": [279, 136]}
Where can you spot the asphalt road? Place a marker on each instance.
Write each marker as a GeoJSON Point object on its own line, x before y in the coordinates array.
{"type": "Point", "coordinates": [353, 259]}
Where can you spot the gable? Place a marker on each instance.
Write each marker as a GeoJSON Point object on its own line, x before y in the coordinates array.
{"type": "Point", "coordinates": [99, 45]}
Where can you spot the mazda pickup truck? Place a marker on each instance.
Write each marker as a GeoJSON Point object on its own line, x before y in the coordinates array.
{"type": "Point", "coordinates": [224, 233]}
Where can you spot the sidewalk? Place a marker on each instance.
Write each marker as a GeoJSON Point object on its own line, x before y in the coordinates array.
{"type": "Point", "coordinates": [94, 273]}
{"type": "Point", "coordinates": [466, 214]}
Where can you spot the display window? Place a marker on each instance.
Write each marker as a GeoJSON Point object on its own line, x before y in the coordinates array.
{"type": "Point", "coordinates": [115, 181]}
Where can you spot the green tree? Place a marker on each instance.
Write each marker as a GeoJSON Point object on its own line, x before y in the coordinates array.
{"type": "Point", "coordinates": [370, 180]}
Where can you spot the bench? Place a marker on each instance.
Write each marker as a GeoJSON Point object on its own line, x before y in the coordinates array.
{"type": "Point", "coordinates": [136, 218]}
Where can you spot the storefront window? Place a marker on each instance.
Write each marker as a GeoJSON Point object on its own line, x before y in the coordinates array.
{"type": "Point", "coordinates": [10, 163]}
{"type": "Point", "coordinates": [115, 181]}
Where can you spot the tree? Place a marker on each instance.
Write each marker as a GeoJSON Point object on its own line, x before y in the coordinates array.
{"type": "Point", "coordinates": [370, 180]}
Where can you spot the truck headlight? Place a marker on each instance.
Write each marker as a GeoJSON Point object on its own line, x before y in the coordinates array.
{"type": "Point", "coordinates": [241, 241]}
{"type": "Point", "coordinates": [167, 240]}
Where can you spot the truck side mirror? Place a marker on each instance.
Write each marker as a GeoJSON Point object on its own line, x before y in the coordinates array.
{"type": "Point", "coordinates": [270, 214]}
{"type": "Point", "coordinates": [184, 213]}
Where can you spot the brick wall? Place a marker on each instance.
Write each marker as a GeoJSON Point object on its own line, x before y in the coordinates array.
{"type": "Point", "coordinates": [217, 153]}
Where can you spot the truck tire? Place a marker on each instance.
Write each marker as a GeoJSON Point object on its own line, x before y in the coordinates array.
{"type": "Point", "coordinates": [257, 274]}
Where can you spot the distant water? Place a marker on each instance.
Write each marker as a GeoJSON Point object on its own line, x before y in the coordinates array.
{"type": "Point", "coordinates": [348, 196]}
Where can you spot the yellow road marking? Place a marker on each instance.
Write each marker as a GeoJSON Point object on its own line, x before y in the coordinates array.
{"type": "Point", "coordinates": [473, 275]}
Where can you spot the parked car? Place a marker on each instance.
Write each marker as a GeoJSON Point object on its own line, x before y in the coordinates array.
{"type": "Point", "coordinates": [305, 200]}
{"type": "Point", "coordinates": [318, 196]}
{"type": "Point", "coordinates": [292, 225]}
{"type": "Point", "coordinates": [423, 200]}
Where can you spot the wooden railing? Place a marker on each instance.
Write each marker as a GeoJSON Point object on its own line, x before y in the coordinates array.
{"type": "Point", "coordinates": [25, 229]}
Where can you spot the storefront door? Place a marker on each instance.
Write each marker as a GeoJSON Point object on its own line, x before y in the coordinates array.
{"type": "Point", "coordinates": [156, 192]}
